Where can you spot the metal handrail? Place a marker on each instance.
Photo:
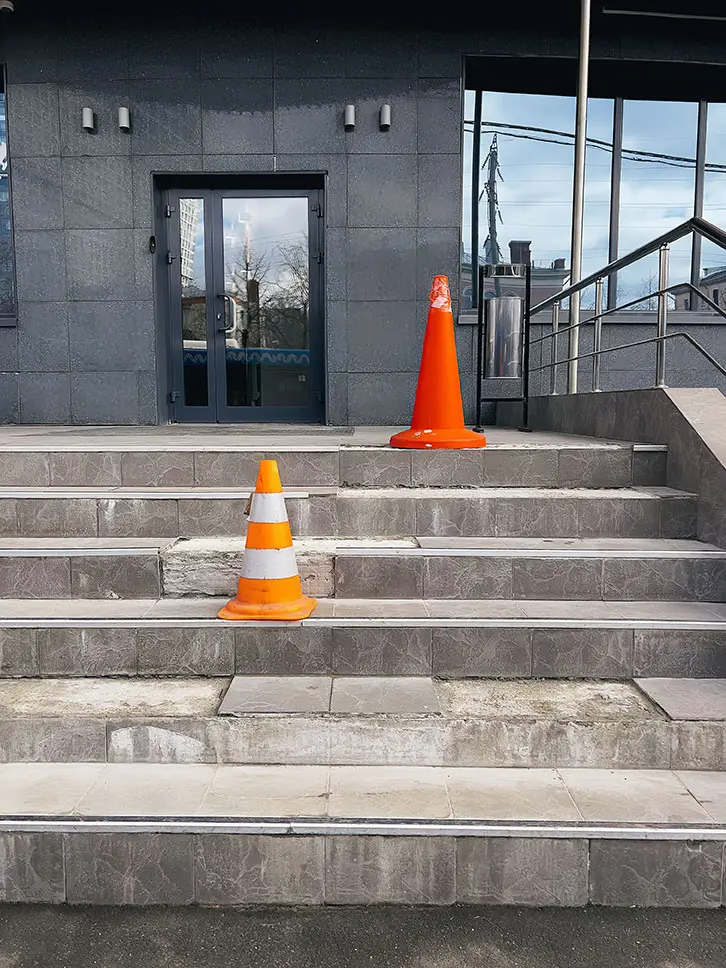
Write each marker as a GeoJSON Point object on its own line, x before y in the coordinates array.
{"type": "Point", "coordinates": [698, 225]}
{"type": "Point", "coordinates": [640, 342]}
{"type": "Point", "coordinates": [618, 309]}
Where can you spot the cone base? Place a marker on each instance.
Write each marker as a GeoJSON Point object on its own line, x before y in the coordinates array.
{"type": "Point", "coordinates": [458, 438]}
{"type": "Point", "coordinates": [295, 611]}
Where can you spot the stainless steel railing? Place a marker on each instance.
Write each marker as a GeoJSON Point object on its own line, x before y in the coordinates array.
{"type": "Point", "coordinates": [661, 245]}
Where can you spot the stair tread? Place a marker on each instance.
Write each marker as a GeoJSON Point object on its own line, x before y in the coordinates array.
{"type": "Point", "coordinates": [490, 795]}
{"type": "Point", "coordinates": [475, 547]}
{"type": "Point", "coordinates": [396, 697]}
{"type": "Point", "coordinates": [40, 613]}
{"type": "Point", "coordinates": [348, 493]}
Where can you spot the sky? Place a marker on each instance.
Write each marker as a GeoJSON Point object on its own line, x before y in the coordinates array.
{"type": "Point", "coordinates": [535, 193]}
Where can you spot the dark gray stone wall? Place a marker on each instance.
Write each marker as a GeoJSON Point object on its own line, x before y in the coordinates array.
{"type": "Point", "coordinates": [227, 97]}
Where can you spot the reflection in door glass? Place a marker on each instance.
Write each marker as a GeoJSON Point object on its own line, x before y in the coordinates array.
{"type": "Point", "coordinates": [267, 282]}
{"type": "Point", "coordinates": [194, 301]}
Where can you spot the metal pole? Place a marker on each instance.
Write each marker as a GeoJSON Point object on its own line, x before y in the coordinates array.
{"type": "Point", "coordinates": [597, 337]}
{"type": "Point", "coordinates": [475, 172]}
{"type": "Point", "coordinates": [660, 352]}
{"type": "Point", "coordinates": [479, 347]}
{"type": "Point", "coordinates": [525, 428]}
{"type": "Point", "coordinates": [698, 199]}
{"type": "Point", "coordinates": [578, 195]}
{"type": "Point", "coordinates": [616, 172]}
{"type": "Point", "coordinates": [555, 348]}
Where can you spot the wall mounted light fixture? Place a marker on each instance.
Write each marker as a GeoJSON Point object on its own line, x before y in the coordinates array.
{"type": "Point", "coordinates": [124, 119]}
{"type": "Point", "coordinates": [349, 117]}
{"type": "Point", "coordinates": [88, 119]}
{"type": "Point", "coordinates": [384, 117]}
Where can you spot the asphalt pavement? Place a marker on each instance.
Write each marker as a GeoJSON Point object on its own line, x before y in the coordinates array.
{"type": "Point", "coordinates": [461, 937]}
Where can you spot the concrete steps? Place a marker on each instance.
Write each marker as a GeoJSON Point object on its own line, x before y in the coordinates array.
{"type": "Point", "coordinates": [341, 835]}
{"type": "Point", "coordinates": [117, 512]}
{"type": "Point", "coordinates": [508, 461]}
{"type": "Point", "coordinates": [448, 639]}
{"type": "Point", "coordinates": [366, 721]}
{"type": "Point", "coordinates": [523, 569]}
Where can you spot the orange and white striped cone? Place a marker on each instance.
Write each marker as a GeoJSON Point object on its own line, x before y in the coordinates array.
{"type": "Point", "coordinates": [269, 587]}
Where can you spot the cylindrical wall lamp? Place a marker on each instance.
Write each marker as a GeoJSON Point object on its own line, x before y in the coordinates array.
{"type": "Point", "coordinates": [88, 119]}
{"type": "Point", "coordinates": [349, 117]}
{"type": "Point", "coordinates": [124, 119]}
{"type": "Point", "coordinates": [384, 117]}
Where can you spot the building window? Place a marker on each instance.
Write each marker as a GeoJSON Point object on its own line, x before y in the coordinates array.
{"type": "Point", "coordinates": [715, 296]}
{"type": "Point", "coordinates": [643, 162]}
{"type": "Point", "coordinates": [7, 271]}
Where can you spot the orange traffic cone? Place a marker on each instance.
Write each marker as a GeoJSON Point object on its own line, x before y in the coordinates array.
{"type": "Point", "coordinates": [438, 414]}
{"type": "Point", "coordinates": [270, 584]}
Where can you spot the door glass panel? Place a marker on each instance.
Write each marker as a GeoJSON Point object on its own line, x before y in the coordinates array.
{"type": "Point", "coordinates": [193, 301]}
{"type": "Point", "coordinates": [267, 304]}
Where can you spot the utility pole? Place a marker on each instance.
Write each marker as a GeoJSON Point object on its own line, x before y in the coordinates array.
{"type": "Point", "coordinates": [578, 199]}
{"type": "Point", "coordinates": [492, 164]}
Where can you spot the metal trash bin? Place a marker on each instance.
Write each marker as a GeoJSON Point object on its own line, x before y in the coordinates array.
{"type": "Point", "coordinates": [504, 321]}
{"type": "Point", "coordinates": [504, 327]}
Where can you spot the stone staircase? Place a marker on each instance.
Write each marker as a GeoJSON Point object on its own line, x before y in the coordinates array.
{"type": "Point", "coordinates": [513, 690]}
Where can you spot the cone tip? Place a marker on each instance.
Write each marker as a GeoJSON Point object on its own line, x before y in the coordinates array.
{"type": "Point", "coordinates": [440, 293]}
{"type": "Point", "coordinates": [268, 478]}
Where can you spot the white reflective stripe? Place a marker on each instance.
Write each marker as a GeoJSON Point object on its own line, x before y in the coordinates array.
{"type": "Point", "coordinates": [268, 508]}
{"type": "Point", "coordinates": [269, 563]}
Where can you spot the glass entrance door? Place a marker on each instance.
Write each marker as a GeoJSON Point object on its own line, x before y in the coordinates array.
{"type": "Point", "coordinates": [246, 321]}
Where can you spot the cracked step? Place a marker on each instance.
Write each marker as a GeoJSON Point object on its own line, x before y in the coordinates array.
{"type": "Point", "coordinates": [492, 723]}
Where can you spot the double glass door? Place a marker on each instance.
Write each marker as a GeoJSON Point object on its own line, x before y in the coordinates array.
{"type": "Point", "coordinates": [245, 305]}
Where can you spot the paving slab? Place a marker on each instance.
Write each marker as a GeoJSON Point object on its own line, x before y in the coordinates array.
{"type": "Point", "coordinates": [28, 789]}
{"type": "Point", "coordinates": [372, 791]}
{"type": "Point", "coordinates": [616, 796]}
{"type": "Point", "coordinates": [277, 694]}
{"type": "Point", "coordinates": [709, 788]}
{"type": "Point", "coordinates": [393, 695]}
{"type": "Point", "coordinates": [142, 789]}
{"type": "Point", "coordinates": [98, 698]}
{"type": "Point", "coordinates": [506, 794]}
{"type": "Point", "coordinates": [582, 702]}
{"type": "Point", "coordinates": [267, 791]}
{"type": "Point", "coordinates": [688, 699]}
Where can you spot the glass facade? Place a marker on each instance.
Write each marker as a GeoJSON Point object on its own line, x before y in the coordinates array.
{"type": "Point", "coordinates": [7, 273]}
{"type": "Point", "coordinates": [526, 196]}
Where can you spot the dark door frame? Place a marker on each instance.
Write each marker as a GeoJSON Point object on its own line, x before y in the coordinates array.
{"type": "Point", "coordinates": [213, 188]}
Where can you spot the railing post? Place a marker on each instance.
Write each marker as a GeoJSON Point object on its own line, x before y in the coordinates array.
{"type": "Point", "coordinates": [597, 336]}
{"type": "Point", "coordinates": [660, 354]}
{"type": "Point", "coordinates": [555, 348]}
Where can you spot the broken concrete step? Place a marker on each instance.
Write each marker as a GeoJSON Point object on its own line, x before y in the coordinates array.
{"type": "Point", "coordinates": [353, 512]}
{"type": "Point", "coordinates": [544, 460]}
{"type": "Point", "coordinates": [617, 569]}
{"type": "Point", "coordinates": [231, 835]}
{"type": "Point", "coordinates": [502, 639]}
{"type": "Point", "coordinates": [523, 723]}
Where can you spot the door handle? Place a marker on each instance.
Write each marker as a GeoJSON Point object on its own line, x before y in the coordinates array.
{"type": "Point", "coordinates": [230, 300]}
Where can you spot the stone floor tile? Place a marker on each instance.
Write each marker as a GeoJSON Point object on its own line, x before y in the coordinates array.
{"type": "Point", "coordinates": [393, 791]}
{"type": "Point", "coordinates": [378, 608]}
{"type": "Point", "coordinates": [709, 789]}
{"type": "Point", "coordinates": [138, 868]}
{"type": "Point", "coordinates": [371, 694]}
{"type": "Point", "coordinates": [45, 788]}
{"type": "Point", "coordinates": [533, 872]}
{"type": "Point", "coordinates": [690, 699]}
{"type": "Point", "coordinates": [31, 870]}
{"type": "Point", "coordinates": [509, 794]}
{"type": "Point", "coordinates": [267, 791]}
{"type": "Point", "coordinates": [276, 694]}
{"type": "Point", "coordinates": [652, 873]}
{"type": "Point", "coordinates": [637, 796]}
{"type": "Point", "coordinates": [147, 789]}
